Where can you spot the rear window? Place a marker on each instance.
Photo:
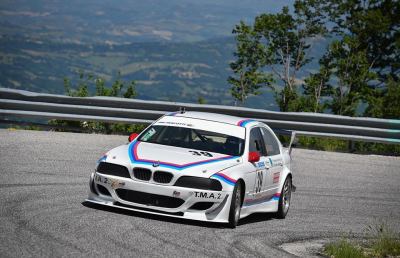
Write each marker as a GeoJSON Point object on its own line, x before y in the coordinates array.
{"type": "Point", "coordinates": [192, 138]}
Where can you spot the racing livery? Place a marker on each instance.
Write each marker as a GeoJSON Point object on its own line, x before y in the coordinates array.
{"type": "Point", "coordinates": [200, 166]}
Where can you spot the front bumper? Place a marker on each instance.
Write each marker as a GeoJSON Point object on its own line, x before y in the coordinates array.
{"type": "Point", "coordinates": [183, 198]}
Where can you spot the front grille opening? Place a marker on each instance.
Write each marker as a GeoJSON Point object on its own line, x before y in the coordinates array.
{"type": "Point", "coordinates": [151, 210]}
{"type": "Point", "coordinates": [103, 190]}
{"type": "Point", "coordinates": [199, 183]}
{"type": "Point", "coordinates": [142, 173]}
{"type": "Point", "coordinates": [113, 169]}
{"type": "Point", "coordinates": [201, 206]}
{"type": "Point", "coordinates": [149, 199]}
{"type": "Point", "coordinates": [162, 177]}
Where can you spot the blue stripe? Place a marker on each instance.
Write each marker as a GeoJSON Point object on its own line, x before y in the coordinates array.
{"type": "Point", "coordinates": [130, 151]}
{"type": "Point", "coordinates": [244, 123]}
{"type": "Point", "coordinates": [102, 159]}
{"type": "Point", "coordinates": [265, 199]}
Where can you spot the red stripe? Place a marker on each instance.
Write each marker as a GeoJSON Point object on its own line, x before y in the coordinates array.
{"type": "Point", "coordinates": [240, 122]}
{"type": "Point", "coordinates": [227, 177]}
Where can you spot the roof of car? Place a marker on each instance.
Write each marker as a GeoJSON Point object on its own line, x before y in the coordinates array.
{"type": "Point", "coordinates": [213, 117]}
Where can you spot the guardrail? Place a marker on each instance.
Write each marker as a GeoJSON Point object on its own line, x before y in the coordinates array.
{"type": "Point", "coordinates": [19, 103]}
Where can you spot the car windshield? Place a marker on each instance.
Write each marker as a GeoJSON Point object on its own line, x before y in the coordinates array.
{"type": "Point", "coordinates": [192, 138]}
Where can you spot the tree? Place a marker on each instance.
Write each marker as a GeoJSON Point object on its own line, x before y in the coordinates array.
{"type": "Point", "coordinates": [81, 88]}
{"type": "Point", "coordinates": [275, 48]}
{"type": "Point", "coordinates": [201, 100]}
{"type": "Point", "coordinates": [375, 26]}
{"type": "Point", "coordinates": [316, 87]}
{"type": "Point", "coordinates": [87, 81]}
{"type": "Point", "coordinates": [376, 23]}
{"type": "Point", "coordinates": [386, 103]}
{"type": "Point", "coordinates": [247, 80]}
{"type": "Point", "coordinates": [353, 72]}
{"type": "Point", "coordinates": [116, 88]}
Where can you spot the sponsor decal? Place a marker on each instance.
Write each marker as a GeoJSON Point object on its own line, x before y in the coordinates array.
{"type": "Point", "coordinates": [111, 182]}
{"type": "Point", "coordinates": [215, 196]}
{"type": "Point", "coordinates": [174, 123]}
{"type": "Point", "coordinates": [176, 194]}
{"type": "Point", "coordinates": [262, 199]}
{"type": "Point", "coordinates": [224, 178]}
{"type": "Point", "coordinates": [260, 164]}
{"type": "Point", "coordinates": [134, 157]}
{"type": "Point", "coordinates": [276, 177]}
{"type": "Point", "coordinates": [259, 181]}
{"type": "Point", "coordinates": [244, 122]}
{"type": "Point", "coordinates": [148, 134]}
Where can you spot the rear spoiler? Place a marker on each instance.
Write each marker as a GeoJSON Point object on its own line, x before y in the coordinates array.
{"type": "Point", "coordinates": [293, 139]}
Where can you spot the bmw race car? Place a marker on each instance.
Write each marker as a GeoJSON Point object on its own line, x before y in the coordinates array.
{"type": "Point", "coordinates": [199, 166]}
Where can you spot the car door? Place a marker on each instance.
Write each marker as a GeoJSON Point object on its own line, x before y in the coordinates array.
{"type": "Point", "coordinates": [274, 164]}
{"type": "Point", "coordinates": [256, 144]}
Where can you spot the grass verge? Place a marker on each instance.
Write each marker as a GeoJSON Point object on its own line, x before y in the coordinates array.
{"type": "Point", "coordinates": [383, 243]}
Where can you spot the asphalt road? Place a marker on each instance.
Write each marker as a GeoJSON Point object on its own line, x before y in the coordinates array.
{"type": "Point", "coordinates": [44, 181]}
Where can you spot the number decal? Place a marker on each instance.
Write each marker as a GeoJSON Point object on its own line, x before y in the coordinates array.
{"type": "Point", "coordinates": [204, 153]}
{"type": "Point", "coordinates": [207, 154]}
{"type": "Point", "coordinates": [259, 181]}
{"type": "Point", "coordinates": [195, 153]}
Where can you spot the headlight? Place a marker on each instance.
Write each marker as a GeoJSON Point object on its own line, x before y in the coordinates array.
{"type": "Point", "coordinates": [199, 183]}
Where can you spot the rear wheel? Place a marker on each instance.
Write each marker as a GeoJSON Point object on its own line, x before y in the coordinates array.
{"type": "Point", "coordinates": [284, 199]}
{"type": "Point", "coordinates": [236, 205]}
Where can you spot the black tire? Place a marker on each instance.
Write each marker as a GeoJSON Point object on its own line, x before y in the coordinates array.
{"type": "Point", "coordinates": [284, 199]}
{"type": "Point", "coordinates": [236, 204]}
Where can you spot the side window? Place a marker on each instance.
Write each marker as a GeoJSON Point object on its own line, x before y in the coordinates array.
{"type": "Point", "coordinates": [256, 142]}
{"type": "Point", "coordinates": [270, 142]}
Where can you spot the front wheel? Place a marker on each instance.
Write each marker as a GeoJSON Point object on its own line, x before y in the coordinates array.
{"type": "Point", "coordinates": [284, 199]}
{"type": "Point", "coordinates": [236, 205]}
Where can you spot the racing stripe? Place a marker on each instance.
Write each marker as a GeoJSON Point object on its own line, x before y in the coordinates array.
{"type": "Point", "coordinates": [244, 122]}
{"type": "Point", "coordinates": [102, 159]}
{"type": "Point", "coordinates": [172, 113]}
{"type": "Point", "coordinates": [262, 199]}
{"type": "Point", "coordinates": [133, 155]}
{"type": "Point", "coordinates": [224, 178]}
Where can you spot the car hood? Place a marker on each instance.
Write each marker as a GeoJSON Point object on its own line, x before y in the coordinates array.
{"type": "Point", "coordinates": [172, 159]}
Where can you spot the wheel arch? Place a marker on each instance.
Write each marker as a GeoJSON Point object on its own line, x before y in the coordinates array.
{"type": "Point", "coordinates": [242, 189]}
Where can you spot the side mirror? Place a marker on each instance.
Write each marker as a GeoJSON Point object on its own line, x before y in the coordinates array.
{"type": "Point", "coordinates": [132, 137]}
{"type": "Point", "coordinates": [254, 156]}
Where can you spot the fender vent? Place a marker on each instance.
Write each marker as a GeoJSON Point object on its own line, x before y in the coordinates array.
{"type": "Point", "coordinates": [103, 190]}
{"type": "Point", "coordinates": [149, 199]}
{"type": "Point", "coordinates": [151, 210]}
{"type": "Point", "coordinates": [201, 206]}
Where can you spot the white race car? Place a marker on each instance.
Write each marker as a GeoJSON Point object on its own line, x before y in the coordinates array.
{"type": "Point", "coordinates": [200, 166]}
